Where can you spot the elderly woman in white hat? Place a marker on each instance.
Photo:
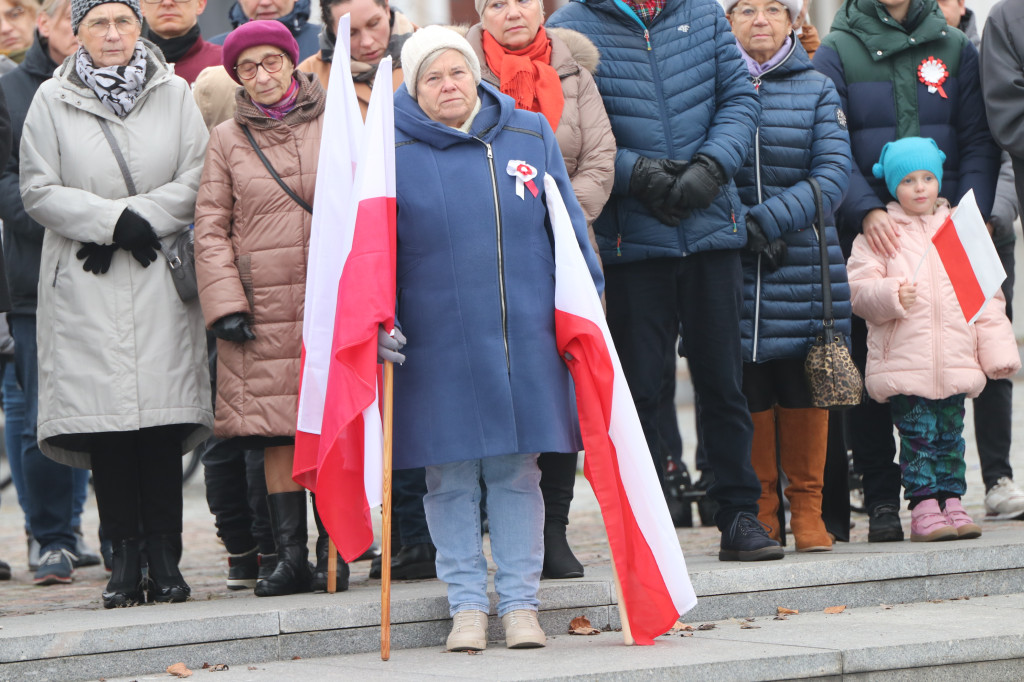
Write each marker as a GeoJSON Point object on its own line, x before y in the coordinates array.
{"type": "Point", "coordinates": [482, 388]}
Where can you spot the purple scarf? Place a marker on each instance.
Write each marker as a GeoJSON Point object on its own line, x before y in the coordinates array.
{"type": "Point", "coordinates": [286, 104]}
{"type": "Point", "coordinates": [756, 69]}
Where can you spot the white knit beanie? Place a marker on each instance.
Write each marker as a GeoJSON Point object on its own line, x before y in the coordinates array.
{"type": "Point", "coordinates": [425, 42]}
{"type": "Point", "coordinates": [794, 6]}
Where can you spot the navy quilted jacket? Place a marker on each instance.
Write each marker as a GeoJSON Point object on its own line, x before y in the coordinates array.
{"type": "Point", "coordinates": [671, 90]}
{"type": "Point", "coordinates": [874, 63]}
{"type": "Point", "coordinates": [802, 134]}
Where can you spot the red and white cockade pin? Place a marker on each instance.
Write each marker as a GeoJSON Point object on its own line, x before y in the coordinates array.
{"type": "Point", "coordinates": [524, 174]}
{"type": "Point", "coordinates": [933, 73]}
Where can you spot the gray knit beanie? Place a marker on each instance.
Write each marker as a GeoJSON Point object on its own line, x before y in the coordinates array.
{"type": "Point", "coordinates": [79, 8]}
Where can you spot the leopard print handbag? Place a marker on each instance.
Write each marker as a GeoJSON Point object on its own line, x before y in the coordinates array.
{"type": "Point", "coordinates": [834, 381]}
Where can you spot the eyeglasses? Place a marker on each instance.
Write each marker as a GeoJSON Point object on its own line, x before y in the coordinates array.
{"type": "Point", "coordinates": [123, 25]}
{"type": "Point", "coordinates": [772, 13]}
{"type": "Point", "coordinates": [271, 64]}
{"type": "Point", "coordinates": [13, 14]}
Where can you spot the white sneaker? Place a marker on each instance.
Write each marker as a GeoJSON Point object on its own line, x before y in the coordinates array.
{"type": "Point", "coordinates": [469, 631]}
{"type": "Point", "coordinates": [1004, 501]}
{"type": "Point", "coordinates": [522, 631]}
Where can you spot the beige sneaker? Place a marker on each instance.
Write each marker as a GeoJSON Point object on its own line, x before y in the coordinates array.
{"type": "Point", "coordinates": [469, 631]}
{"type": "Point", "coordinates": [522, 631]}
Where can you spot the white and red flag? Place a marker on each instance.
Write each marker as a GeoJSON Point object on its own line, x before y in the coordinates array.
{"type": "Point", "coordinates": [350, 457]}
{"type": "Point", "coordinates": [649, 562]}
{"type": "Point", "coordinates": [339, 149]}
{"type": "Point", "coordinates": [971, 260]}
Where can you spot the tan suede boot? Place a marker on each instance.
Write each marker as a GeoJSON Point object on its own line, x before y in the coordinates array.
{"type": "Point", "coordinates": [803, 439]}
{"type": "Point", "coordinates": [763, 457]}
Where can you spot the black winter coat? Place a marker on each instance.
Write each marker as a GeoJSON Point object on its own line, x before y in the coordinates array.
{"type": "Point", "coordinates": [23, 237]}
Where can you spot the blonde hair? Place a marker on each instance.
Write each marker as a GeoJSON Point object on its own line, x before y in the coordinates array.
{"type": "Point", "coordinates": [53, 7]}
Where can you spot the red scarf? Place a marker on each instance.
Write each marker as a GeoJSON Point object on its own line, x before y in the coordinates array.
{"type": "Point", "coordinates": [527, 75]}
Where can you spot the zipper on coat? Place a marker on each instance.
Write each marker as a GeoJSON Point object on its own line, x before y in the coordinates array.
{"type": "Point", "coordinates": [936, 322]}
{"type": "Point", "coordinates": [56, 271]}
{"type": "Point", "coordinates": [757, 292]}
{"type": "Point", "coordinates": [501, 255]}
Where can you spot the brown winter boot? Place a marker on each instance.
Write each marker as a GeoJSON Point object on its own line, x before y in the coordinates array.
{"type": "Point", "coordinates": [763, 457]}
{"type": "Point", "coordinates": [803, 440]}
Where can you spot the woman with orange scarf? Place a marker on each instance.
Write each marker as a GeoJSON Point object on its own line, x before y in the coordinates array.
{"type": "Point", "coordinates": [550, 73]}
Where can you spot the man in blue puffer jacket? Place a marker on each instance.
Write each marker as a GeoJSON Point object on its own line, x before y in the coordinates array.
{"type": "Point", "coordinates": [684, 115]}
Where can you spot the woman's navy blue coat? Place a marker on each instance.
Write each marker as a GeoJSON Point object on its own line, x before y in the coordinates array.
{"type": "Point", "coordinates": [802, 134]}
{"type": "Point", "coordinates": [482, 375]}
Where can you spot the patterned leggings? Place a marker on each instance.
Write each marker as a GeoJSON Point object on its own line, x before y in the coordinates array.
{"type": "Point", "coordinates": [931, 445]}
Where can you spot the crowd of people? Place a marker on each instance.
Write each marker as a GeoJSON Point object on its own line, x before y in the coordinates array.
{"type": "Point", "coordinates": [729, 177]}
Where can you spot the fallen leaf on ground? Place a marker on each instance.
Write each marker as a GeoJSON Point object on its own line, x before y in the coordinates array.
{"type": "Point", "coordinates": [783, 611]}
{"type": "Point", "coordinates": [835, 609]}
{"type": "Point", "coordinates": [179, 670]}
{"type": "Point", "coordinates": [780, 617]}
{"type": "Point", "coordinates": [706, 626]}
{"type": "Point", "coordinates": [296, 658]}
{"type": "Point", "coordinates": [252, 667]}
{"type": "Point", "coordinates": [580, 625]}
{"type": "Point", "coordinates": [936, 601]}
{"type": "Point", "coordinates": [682, 626]}
{"type": "Point", "coordinates": [964, 598]}
{"type": "Point", "coordinates": [216, 667]}
{"type": "Point", "coordinates": [749, 626]}
{"type": "Point", "coordinates": [887, 607]}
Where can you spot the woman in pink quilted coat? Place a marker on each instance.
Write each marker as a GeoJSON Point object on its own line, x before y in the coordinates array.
{"type": "Point", "coordinates": [923, 356]}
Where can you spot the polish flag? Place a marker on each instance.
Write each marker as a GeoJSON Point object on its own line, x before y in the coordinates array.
{"type": "Point", "coordinates": [649, 562]}
{"type": "Point", "coordinates": [339, 149]}
{"type": "Point", "coordinates": [971, 261]}
{"type": "Point", "coordinates": [350, 459]}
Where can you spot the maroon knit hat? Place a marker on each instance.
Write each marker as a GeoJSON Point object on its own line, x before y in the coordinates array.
{"type": "Point", "coordinates": [254, 33]}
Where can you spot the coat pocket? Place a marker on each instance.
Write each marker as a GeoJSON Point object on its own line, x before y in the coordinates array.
{"type": "Point", "coordinates": [244, 265]}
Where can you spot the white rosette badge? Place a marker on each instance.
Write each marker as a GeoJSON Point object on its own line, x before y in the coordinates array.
{"type": "Point", "coordinates": [524, 174]}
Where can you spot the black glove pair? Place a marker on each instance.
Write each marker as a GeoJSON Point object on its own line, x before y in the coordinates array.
{"type": "Point", "coordinates": [671, 189]}
{"type": "Point", "coordinates": [773, 254]}
{"type": "Point", "coordinates": [234, 327]}
{"type": "Point", "coordinates": [132, 233]}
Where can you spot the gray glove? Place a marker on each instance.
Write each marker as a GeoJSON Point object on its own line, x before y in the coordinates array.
{"type": "Point", "coordinates": [388, 346]}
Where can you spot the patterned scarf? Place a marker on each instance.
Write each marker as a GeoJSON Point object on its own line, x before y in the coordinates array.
{"type": "Point", "coordinates": [116, 86]}
{"type": "Point", "coordinates": [647, 10]}
{"type": "Point", "coordinates": [286, 104]}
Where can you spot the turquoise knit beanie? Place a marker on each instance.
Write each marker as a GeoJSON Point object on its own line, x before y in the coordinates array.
{"type": "Point", "coordinates": [902, 157]}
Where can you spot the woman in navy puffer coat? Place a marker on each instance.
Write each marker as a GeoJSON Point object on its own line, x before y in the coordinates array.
{"type": "Point", "coordinates": [802, 134]}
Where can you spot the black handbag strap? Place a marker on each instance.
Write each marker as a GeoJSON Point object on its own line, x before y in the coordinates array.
{"type": "Point", "coordinates": [129, 183]}
{"type": "Point", "coordinates": [826, 280]}
{"type": "Point", "coordinates": [273, 173]}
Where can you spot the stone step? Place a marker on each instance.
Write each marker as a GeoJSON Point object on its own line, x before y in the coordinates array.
{"type": "Point", "coordinates": [89, 644]}
{"type": "Point", "coordinates": [976, 639]}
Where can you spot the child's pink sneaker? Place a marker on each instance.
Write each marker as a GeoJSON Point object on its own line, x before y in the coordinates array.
{"type": "Point", "coordinates": [966, 528]}
{"type": "Point", "coordinates": [929, 524]}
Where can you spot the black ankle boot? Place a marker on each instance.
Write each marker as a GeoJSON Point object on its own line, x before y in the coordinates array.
{"type": "Point", "coordinates": [165, 581]}
{"type": "Point", "coordinates": [293, 573]}
{"type": "Point", "coordinates": [323, 546]}
{"type": "Point", "coordinates": [125, 585]}
{"type": "Point", "coordinates": [559, 561]}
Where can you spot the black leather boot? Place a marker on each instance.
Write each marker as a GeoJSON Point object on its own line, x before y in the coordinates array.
{"type": "Point", "coordinates": [557, 479]}
{"type": "Point", "coordinates": [322, 550]}
{"type": "Point", "coordinates": [125, 587]}
{"type": "Point", "coordinates": [293, 573]}
{"type": "Point", "coordinates": [165, 581]}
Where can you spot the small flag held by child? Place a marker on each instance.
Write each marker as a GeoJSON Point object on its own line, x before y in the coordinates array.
{"type": "Point", "coordinates": [971, 261]}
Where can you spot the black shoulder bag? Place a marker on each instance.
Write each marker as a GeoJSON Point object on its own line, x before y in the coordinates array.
{"type": "Point", "coordinates": [273, 173]}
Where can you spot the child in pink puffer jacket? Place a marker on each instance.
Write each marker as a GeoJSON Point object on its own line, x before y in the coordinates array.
{"type": "Point", "coordinates": [923, 357]}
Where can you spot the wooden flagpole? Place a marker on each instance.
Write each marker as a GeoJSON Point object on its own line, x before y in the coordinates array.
{"type": "Point", "coordinates": [332, 567]}
{"type": "Point", "coordinates": [385, 533]}
{"type": "Point", "coordinates": [627, 635]}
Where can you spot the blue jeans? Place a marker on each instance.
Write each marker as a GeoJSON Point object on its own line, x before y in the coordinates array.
{"type": "Point", "coordinates": [515, 513]}
{"type": "Point", "coordinates": [14, 424]}
{"type": "Point", "coordinates": [49, 486]}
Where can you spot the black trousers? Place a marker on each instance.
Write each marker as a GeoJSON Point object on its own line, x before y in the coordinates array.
{"type": "Point", "coordinates": [236, 492]}
{"type": "Point", "coordinates": [649, 303]}
{"type": "Point", "coordinates": [137, 479]}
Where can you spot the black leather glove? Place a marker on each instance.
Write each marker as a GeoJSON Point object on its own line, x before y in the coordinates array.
{"type": "Point", "coordinates": [773, 256]}
{"type": "Point", "coordinates": [97, 257]}
{"type": "Point", "coordinates": [651, 183]}
{"type": "Point", "coordinates": [388, 346]}
{"type": "Point", "coordinates": [234, 327]}
{"type": "Point", "coordinates": [699, 184]}
{"type": "Point", "coordinates": [134, 233]}
{"type": "Point", "coordinates": [756, 241]}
